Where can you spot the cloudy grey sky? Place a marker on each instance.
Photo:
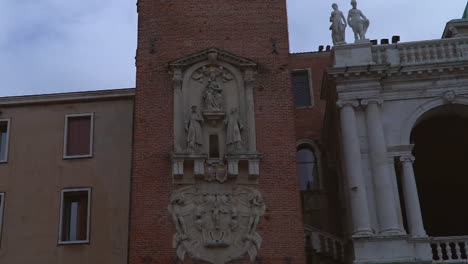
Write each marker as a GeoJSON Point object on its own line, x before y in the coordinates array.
{"type": "Point", "coordinates": [75, 45]}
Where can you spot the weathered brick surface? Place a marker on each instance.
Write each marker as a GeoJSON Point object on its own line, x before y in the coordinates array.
{"type": "Point", "coordinates": [309, 120]}
{"type": "Point", "coordinates": [246, 28]}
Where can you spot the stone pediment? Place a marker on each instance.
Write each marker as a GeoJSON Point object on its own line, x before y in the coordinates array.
{"type": "Point", "coordinates": [212, 54]}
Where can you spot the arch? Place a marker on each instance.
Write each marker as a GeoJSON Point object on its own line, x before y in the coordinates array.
{"type": "Point", "coordinates": [312, 145]}
{"type": "Point", "coordinates": [420, 113]}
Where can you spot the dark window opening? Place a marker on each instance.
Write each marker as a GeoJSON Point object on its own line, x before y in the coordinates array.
{"type": "Point", "coordinates": [308, 171]}
{"type": "Point", "coordinates": [214, 146]}
{"type": "Point", "coordinates": [75, 216]}
{"type": "Point", "coordinates": [3, 140]}
{"type": "Point", "coordinates": [301, 88]}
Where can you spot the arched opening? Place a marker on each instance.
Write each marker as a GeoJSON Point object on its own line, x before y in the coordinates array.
{"type": "Point", "coordinates": [440, 140]}
{"type": "Point", "coordinates": [308, 168]}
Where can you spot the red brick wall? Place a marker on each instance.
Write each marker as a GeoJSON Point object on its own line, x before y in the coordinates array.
{"type": "Point", "coordinates": [182, 27]}
{"type": "Point", "coordinates": [309, 120]}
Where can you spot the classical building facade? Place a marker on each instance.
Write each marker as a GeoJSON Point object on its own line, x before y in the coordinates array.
{"type": "Point", "coordinates": [64, 177]}
{"type": "Point", "coordinates": [232, 150]}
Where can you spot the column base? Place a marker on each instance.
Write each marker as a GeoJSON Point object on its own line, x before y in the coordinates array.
{"type": "Point", "coordinates": [391, 249]}
{"type": "Point", "coordinates": [392, 232]}
{"type": "Point", "coordinates": [363, 233]}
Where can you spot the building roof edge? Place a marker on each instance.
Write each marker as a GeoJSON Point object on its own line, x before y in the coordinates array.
{"type": "Point", "coordinates": [67, 97]}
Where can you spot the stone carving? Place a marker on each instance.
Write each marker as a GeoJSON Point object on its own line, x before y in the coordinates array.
{"type": "Point", "coordinates": [216, 223]}
{"type": "Point", "coordinates": [233, 131]}
{"type": "Point", "coordinates": [215, 171]}
{"type": "Point", "coordinates": [212, 72]}
{"type": "Point", "coordinates": [338, 26]}
{"type": "Point", "coordinates": [358, 22]}
{"type": "Point", "coordinates": [213, 93]}
{"type": "Point", "coordinates": [193, 126]}
{"type": "Point", "coordinates": [212, 96]}
{"type": "Point", "coordinates": [449, 96]}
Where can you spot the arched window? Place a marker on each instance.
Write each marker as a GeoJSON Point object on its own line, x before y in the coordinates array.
{"type": "Point", "coordinates": [308, 169]}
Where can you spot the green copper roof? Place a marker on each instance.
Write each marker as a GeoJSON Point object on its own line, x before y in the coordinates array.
{"type": "Point", "coordinates": [465, 14]}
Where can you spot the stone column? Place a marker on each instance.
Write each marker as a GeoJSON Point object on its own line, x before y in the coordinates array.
{"type": "Point", "coordinates": [410, 191]}
{"type": "Point", "coordinates": [352, 158]}
{"type": "Point", "coordinates": [249, 85]}
{"type": "Point", "coordinates": [384, 192]}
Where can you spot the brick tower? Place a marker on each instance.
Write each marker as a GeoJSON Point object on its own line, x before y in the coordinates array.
{"type": "Point", "coordinates": [220, 183]}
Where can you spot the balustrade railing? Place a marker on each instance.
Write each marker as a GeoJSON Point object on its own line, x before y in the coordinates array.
{"type": "Point", "coordinates": [421, 52]}
{"type": "Point", "coordinates": [450, 249]}
{"type": "Point", "coordinates": [325, 244]}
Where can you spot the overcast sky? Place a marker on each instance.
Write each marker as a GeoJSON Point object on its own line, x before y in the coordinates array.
{"type": "Point", "coordinates": [75, 45]}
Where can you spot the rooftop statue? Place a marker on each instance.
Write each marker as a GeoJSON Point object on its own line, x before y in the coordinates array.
{"type": "Point", "coordinates": [338, 26]}
{"type": "Point", "coordinates": [358, 22]}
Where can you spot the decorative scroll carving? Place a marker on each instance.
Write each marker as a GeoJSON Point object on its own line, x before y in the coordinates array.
{"type": "Point", "coordinates": [216, 223]}
{"type": "Point", "coordinates": [193, 126]}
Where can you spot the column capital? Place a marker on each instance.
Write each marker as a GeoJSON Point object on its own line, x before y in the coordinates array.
{"type": "Point", "coordinates": [368, 101]}
{"type": "Point", "coordinates": [407, 158]}
{"type": "Point", "coordinates": [343, 103]}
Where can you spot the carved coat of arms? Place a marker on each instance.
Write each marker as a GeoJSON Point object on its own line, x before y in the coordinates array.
{"type": "Point", "coordinates": [216, 223]}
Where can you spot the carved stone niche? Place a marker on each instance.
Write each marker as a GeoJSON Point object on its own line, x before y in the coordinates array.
{"type": "Point", "coordinates": [214, 119]}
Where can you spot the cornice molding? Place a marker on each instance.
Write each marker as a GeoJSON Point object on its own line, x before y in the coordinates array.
{"type": "Point", "coordinates": [67, 97]}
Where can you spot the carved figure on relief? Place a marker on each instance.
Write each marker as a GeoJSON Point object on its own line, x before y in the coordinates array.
{"type": "Point", "coordinates": [193, 127]}
{"type": "Point", "coordinates": [338, 26]}
{"type": "Point", "coordinates": [212, 96]}
{"type": "Point", "coordinates": [358, 22]}
{"type": "Point", "coordinates": [233, 130]}
{"type": "Point", "coordinates": [216, 224]}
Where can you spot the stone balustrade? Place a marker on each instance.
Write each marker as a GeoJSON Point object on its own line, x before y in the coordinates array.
{"type": "Point", "coordinates": [450, 249]}
{"type": "Point", "coordinates": [421, 52]}
{"type": "Point", "coordinates": [326, 244]}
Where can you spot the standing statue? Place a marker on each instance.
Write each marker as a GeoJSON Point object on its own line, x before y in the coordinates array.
{"type": "Point", "coordinates": [194, 130]}
{"type": "Point", "coordinates": [358, 22]}
{"type": "Point", "coordinates": [233, 131]}
{"type": "Point", "coordinates": [212, 96]}
{"type": "Point", "coordinates": [338, 26]}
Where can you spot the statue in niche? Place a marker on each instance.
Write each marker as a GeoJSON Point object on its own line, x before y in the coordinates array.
{"type": "Point", "coordinates": [212, 96]}
{"type": "Point", "coordinates": [193, 126]}
{"type": "Point", "coordinates": [233, 131]}
{"type": "Point", "coordinates": [358, 22]}
{"type": "Point", "coordinates": [338, 26]}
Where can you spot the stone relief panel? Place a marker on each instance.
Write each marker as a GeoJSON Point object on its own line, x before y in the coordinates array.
{"type": "Point", "coordinates": [215, 154]}
{"type": "Point", "coordinates": [216, 223]}
{"type": "Point", "coordinates": [214, 119]}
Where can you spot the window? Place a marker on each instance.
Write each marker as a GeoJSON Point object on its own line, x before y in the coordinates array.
{"type": "Point", "coordinates": [301, 88]}
{"type": "Point", "coordinates": [2, 206]}
{"type": "Point", "coordinates": [308, 171]}
{"type": "Point", "coordinates": [78, 140]}
{"type": "Point", "coordinates": [74, 216]}
{"type": "Point", "coordinates": [214, 146]}
{"type": "Point", "coordinates": [4, 138]}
